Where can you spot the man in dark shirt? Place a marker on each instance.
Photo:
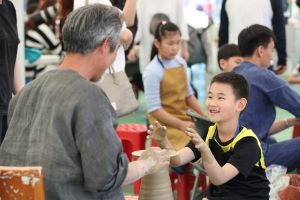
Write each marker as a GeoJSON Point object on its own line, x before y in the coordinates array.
{"type": "Point", "coordinates": [8, 51]}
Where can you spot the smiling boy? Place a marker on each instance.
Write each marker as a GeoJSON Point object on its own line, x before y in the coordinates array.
{"type": "Point", "coordinates": [231, 154]}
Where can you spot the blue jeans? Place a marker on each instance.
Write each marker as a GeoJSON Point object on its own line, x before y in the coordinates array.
{"type": "Point", "coordinates": [286, 153]}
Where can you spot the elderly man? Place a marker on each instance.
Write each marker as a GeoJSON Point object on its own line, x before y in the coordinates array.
{"type": "Point", "coordinates": [65, 123]}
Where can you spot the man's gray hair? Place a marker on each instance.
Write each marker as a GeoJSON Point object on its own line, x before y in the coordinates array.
{"type": "Point", "coordinates": [87, 27]}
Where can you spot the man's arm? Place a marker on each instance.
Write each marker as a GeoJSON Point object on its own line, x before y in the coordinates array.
{"type": "Point", "coordinates": [283, 124]}
{"type": "Point", "coordinates": [150, 161]}
{"type": "Point", "coordinates": [129, 12]}
{"type": "Point", "coordinates": [18, 82]}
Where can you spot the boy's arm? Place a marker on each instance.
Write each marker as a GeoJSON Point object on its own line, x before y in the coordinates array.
{"type": "Point", "coordinates": [192, 102]}
{"type": "Point", "coordinates": [170, 120]}
{"type": "Point", "coordinates": [159, 134]}
{"type": "Point", "coordinates": [218, 175]}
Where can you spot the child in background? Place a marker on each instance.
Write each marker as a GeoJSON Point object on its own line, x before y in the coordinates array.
{"type": "Point", "coordinates": [229, 56]}
{"type": "Point", "coordinates": [231, 154]}
{"type": "Point", "coordinates": [168, 92]}
{"type": "Point", "coordinates": [155, 21]}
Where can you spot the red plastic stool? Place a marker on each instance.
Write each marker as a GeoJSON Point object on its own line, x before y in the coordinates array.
{"type": "Point", "coordinates": [128, 197]}
{"type": "Point", "coordinates": [133, 137]}
{"type": "Point", "coordinates": [184, 183]}
{"type": "Point", "coordinates": [296, 131]}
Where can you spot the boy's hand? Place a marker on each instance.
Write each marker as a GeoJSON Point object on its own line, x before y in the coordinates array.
{"type": "Point", "coordinates": [158, 133]}
{"type": "Point", "coordinates": [196, 139]}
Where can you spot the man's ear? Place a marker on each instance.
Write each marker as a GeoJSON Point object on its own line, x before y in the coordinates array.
{"type": "Point", "coordinates": [222, 63]}
{"type": "Point", "coordinates": [241, 104]}
{"type": "Point", "coordinates": [260, 50]}
{"type": "Point", "coordinates": [104, 45]}
{"type": "Point", "coordinates": [156, 43]}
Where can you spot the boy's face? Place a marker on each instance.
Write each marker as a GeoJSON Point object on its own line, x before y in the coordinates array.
{"type": "Point", "coordinates": [266, 54]}
{"type": "Point", "coordinates": [230, 63]}
{"type": "Point", "coordinates": [222, 105]}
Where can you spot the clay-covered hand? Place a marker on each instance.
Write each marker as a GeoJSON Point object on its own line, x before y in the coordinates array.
{"type": "Point", "coordinates": [154, 159]}
{"type": "Point", "coordinates": [196, 139]}
{"type": "Point", "coordinates": [158, 133]}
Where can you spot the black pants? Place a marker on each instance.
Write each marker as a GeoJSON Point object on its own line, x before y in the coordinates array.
{"type": "Point", "coordinates": [3, 127]}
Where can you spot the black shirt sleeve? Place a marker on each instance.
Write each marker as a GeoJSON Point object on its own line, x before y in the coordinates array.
{"type": "Point", "coordinates": [197, 154]}
{"type": "Point", "coordinates": [223, 30]}
{"type": "Point", "coordinates": [278, 24]}
{"type": "Point", "coordinates": [246, 155]}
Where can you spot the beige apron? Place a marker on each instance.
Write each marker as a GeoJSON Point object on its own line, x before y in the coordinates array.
{"type": "Point", "coordinates": [173, 93]}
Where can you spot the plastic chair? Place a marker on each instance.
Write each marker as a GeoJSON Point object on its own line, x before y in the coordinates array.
{"type": "Point", "coordinates": [133, 137]}
{"type": "Point", "coordinates": [21, 183]}
{"type": "Point", "coordinates": [187, 183]}
{"type": "Point", "coordinates": [200, 180]}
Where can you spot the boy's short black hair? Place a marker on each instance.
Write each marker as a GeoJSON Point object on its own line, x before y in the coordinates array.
{"type": "Point", "coordinates": [238, 83]}
{"type": "Point", "coordinates": [227, 51]}
{"type": "Point", "coordinates": [252, 37]}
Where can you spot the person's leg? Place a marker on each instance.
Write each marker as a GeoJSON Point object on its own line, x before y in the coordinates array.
{"type": "Point", "coordinates": [284, 153]}
{"type": "Point", "coordinates": [271, 140]}
{"type": "Point", "coordinates": [3, 127]}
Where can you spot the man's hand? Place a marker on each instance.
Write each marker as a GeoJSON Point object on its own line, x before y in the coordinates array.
{"type": "Point", "coordinates": [154, 159]}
